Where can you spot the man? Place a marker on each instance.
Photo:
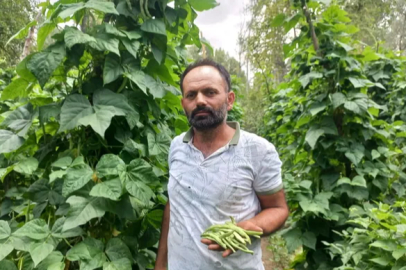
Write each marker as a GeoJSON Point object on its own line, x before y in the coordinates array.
{"type": "Point", "coordinates": [217, 171]}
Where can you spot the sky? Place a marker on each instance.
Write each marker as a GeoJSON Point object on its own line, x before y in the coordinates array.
{"type": "Point", "coordinates": [221, 25]}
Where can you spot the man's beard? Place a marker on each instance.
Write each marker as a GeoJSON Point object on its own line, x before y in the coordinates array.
{"type": "Point", "coordinates": [211, 120]}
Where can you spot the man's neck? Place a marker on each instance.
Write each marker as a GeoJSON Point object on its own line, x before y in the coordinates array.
{"type": "Point", "coordinates": [209, 141]}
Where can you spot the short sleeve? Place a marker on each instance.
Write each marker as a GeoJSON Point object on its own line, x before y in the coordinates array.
{"type": "Point", "coordinates": [268, 178]}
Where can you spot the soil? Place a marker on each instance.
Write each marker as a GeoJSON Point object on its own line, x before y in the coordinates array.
{"type": "Point", "coordinates": [267, 256]}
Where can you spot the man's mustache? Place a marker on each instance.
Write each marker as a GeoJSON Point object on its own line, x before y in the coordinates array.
{"type": "Point", "coordinates": [202, 109]}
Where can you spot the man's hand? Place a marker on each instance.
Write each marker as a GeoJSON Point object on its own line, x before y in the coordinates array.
{"type": "Point", "coordinates": [246, 225]}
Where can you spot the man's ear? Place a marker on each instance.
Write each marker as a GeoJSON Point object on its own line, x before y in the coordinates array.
{"type": "Point", "coordinates": [230, 100]}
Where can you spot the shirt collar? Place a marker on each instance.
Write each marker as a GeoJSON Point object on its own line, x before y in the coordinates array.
{"type": "Point", "coordinates": [234, 141]}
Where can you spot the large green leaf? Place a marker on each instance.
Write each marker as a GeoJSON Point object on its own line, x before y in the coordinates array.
{"type": "Point", "coordinates": [313, 135]}
{"type": "Point", "coordinates": [9, 141]}
{"type": "Point", "coordinates": [105, 42]}
{"type": "Point", "coordinates": [116, 249]}
{"type": "Point", "coordinates": [132, 46]}
{"type": "Point", "coordinates": [158, 144]}
{"type": "Point", "coordinates": [355, 153]}
{"type": "Point", "coordinates": [52, 261]}
{"type": "Point", "coordinates": [138, 171]}
{"type": "Point", "coordinates": [39, 251]}
{"type": "Point", "coordinates": [43, 33]}
{"type": "Point", "coordinates": [75, 107]}
{"type": "Point", "coordinates": [27, 166]}
{"type": "Point", "coordinates": [201, 5]}
{"type": "Point", "coordinates": [74, 36]}
{"type": "Point", "coordinates": [154, 26]}
{"type": "Point", "coordinates": [5, 230]}
{"type": "Point", "coordinates": [138, 77]}
{"type": "Point", "coordinates": [57, 230]}
{"type": "Point", "coordinates": [44, 63]}
{"type": "Point", "coordinates": [338, 99]}
{"type": "Point", "coordinates": [76, 178]}
{"type": "Point", "coordinates": [120, 264]}
{"type": "Point", "coordinates": [112, 68]}
{"type": "Point", "coordinates": [35, 229]}
{"type": "Point", "coordinates": [140, 191]}
{"type": "Point", "coordinates": [81, 211]}
{"type": "Point", "coordinates": [20, 120]}
{"type": "Point", "coordinates": [106, 105]}
{"type": "Point", "coordinates": [49, 111]}
{"type": "Point", "coordinates": [67, 10]}
{"type": "Point", "coordinates": [102, 5]}
{"type": "Point", "coordinates": [7, 265]}
{"type": "Point", "coordinates": [5, 171]}
{"type": "Point", "coordinates": [107, 165]}
{"type": "Point", "coordinates": [307, 78]}
{"type": "Point", "coordinates": [23, 32]}
{"type": "Point", "coordinates": [16, 89]}
{"type": "Point", "coordinates": [5, 249]}
{"type": "Point", "coordinates": [109, 189]}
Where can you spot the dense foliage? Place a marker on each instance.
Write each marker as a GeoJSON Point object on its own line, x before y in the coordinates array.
{"type": "Point", "coordinates": [339, 124]}
{"type": "Point", "coordinates": [85, 130]}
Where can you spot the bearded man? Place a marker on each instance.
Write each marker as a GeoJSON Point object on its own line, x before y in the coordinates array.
{"type": "Point", "coordinates": [216, 171]}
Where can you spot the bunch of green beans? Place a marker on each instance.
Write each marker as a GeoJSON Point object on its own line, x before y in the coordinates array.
{"type": "Point", "coordinates": [230, 236]}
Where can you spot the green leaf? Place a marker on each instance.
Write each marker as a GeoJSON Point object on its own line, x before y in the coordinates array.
{"type": "Point", "coordinates": [105, 42]}
{"type": "Point", "coordinates": [5, 171]}
{"type": "Point", "coordinates": [22, 33]}
{"type": "Point", "coordinates": [158, 53]}
{"type": "Point", "coordinates": [39, 251]}
{"type": "Point", "coordinates": [305, 79]}
{"type": "Point", "coordinates": [202, 5]}
{"type": "Point", "coordinates": [20, 119]}
{"type": "Point", "coordinates": [76, 178]}
{"type": "Point", "coordinates": [352, 106]}
{"type": "Point", "coordinates": [16, 89]}
{"type": "Point", "coordinates": [116, 249]}
{"type": "Point", "coordinates": [375, 154]}
{"type": "Point", "coordinates": [156, 87]}
{"type": "Point", "coordinates": [338, 99]}
{"type": "Point", "coordinates": [293, 239]}
{"type": "Point", "coordinates": [359, 83]}
{"type": "Point", "coordinates": [317, 107]}
{"type": "Point", "coordinates": [138, 77]}
{"type": "Point", "coordinates": [387, 245]}
{"type": "Point", "coordinates": [35, 229]}
{"type": "Point", "coordinates": [44, 63]}
{"type": "Point", "coordinates": [138, 170]}
{"type": "Point", "coordinates": [131, 46]}
{"type": "Point", "coordinates": [140, 191]}
{"type": "Point", "coordinates": [81, 211]}
{"type": "Point", "coordinates": [309, 240]}
{"type": "Point", "coordinates": [109, 189]}
{"type": "Point", "coordinates": [381, 261]}
{"type": "Point", "coordinates": [278, 20]}
{"type": "Point", "coordinates": [5, 230]}
{"type": "Point", "coordinates": [107, 165]}
{"type": "Point", "coordinates": [103, 6]}
{"type": "Point", "coordinates": [158, 144]}
{"type": "Point", "coordinates": [56, 175]}
{"type": "Point", "coordinates": [343, 181]}
{"type": "Point", "coordinates": [5, 249]}
{"type": "Point", "coordinates": [112, 30]}
{"type": "Point", "coordinates": [155, 218]}
{"type": "Point", "coordinates": [67, 10]}
{"type": "Point", "coordinates": [99, 121]}
{"type": "Point", "coordinates": [112, 69]}
{"type": "Point", "coordinates": [345, 46]}
{"type": "Point", "coordinates": [154, 26]}
{"type": "Point", "coordinates": [43, 33]}
{"type": "Point", "coordinates": [49, 111]}
{"type": "Point", "coordinates": [57, 230]}
{"type": "Point", "coordinates": [27, 166]}
{"type": "Point", "coordinates": [313, 135]}
{"type": "Point", "coordinates": [355, 154]}
{"type": "Point", "coordinates": [359, 181]}
{"type": "Point", "coordinates": [74, 36]}
{"type": "Point", "coordinates": [75, 107]}
{"type": "Point", "coordinates": [121, 264]}
{"type": "Point", "coordinates": [397, 254]}
{"type": "Point", "coordinates": [133, 34]}
{"type": "Point", "coordinates": [52, 261]}
{"type": "Point", "coordinates": [63, 162]}
{"type": "Point", "coordinates": [85, 250]}
{"type": "Point", "coordinates": [7, 265]}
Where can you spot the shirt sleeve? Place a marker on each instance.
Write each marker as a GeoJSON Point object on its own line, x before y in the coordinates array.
{"type": "Point", "coordinates": [268, 178]}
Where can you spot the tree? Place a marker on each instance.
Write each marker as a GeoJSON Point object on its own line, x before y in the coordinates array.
{"type": "Point", "coordinates": [85, 130]}
{"type": "Point", "coordinates": [14, 15]}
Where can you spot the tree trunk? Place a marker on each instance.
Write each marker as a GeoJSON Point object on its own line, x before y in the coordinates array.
{"type": "Point", "coordinates": [311, 26]}
{"type": "Point", "coordinates": [30, 39]}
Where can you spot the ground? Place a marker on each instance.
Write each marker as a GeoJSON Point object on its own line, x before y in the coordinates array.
{"type": "Point", "coordinates": [267, 255]}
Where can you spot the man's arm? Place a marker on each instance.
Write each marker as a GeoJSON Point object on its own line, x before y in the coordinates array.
{"type": "Point", "coordinates": [162, 255]}
{"type": "Point", "coordinates": [272, 217]}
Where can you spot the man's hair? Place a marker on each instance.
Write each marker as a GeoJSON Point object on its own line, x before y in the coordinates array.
{"type": "Point", "coordinates": [207, 62]}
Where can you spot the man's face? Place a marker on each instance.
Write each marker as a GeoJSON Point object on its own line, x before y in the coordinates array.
{"type": "Point", "coordinates": [205, 98]}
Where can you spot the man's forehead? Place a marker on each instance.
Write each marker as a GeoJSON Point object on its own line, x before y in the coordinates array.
{"type": "Point", "coordinates": [204, 76]}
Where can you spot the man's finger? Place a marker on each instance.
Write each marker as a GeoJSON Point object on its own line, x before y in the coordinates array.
{"type": "Point", "coordinates": [207, 241]}
{"type": "Point", "coordinates": [227, 252]}
{"type": "Point", "coordinates": [216, 247]}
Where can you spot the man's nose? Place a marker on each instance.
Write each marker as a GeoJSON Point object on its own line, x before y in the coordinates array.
{"type": "Point", "coordinates": [200, 100]}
